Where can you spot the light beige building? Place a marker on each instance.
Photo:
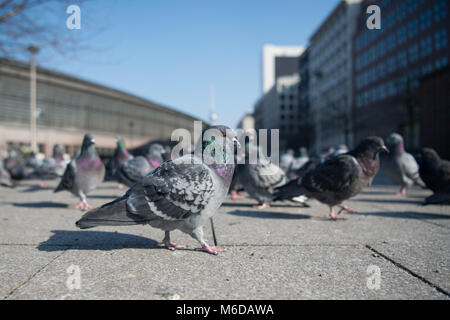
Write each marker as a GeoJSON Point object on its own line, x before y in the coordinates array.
{"type": "Point", "coordinates": [69, 107]}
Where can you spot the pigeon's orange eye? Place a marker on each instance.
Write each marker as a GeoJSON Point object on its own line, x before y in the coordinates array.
{"type": "Point", "coordinates": [223, 134]}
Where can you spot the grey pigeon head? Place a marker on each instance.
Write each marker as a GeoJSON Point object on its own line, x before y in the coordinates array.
{"type": "Point", "coordinates": [395, 143]}
{"type": "Point", "coordinates": [156, 150]}
{"type": "Point", "coordinates": [88, 141]}
{"type": "Point", "coordinates": [370, 148]}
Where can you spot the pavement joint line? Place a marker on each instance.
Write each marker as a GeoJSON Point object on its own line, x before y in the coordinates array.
{"type": "Point", "coordinates": [399, 265]}
{"type": "Point", "coordinates": [31, 277]}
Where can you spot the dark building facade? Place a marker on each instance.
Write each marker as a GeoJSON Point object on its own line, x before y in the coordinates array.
{"type": "Point", "coordinates": [389, 65]}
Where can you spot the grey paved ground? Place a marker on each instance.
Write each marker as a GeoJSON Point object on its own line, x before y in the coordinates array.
{"type": "Point", "coordinates": [284, 252]}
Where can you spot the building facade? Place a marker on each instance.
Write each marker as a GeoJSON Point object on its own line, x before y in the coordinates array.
{"type": "Point", "coordinates": [330, 81]}
{"type": "Point", "coordinates": [390, 63]}
{"type": "Point", "coordinates": [69, 107]}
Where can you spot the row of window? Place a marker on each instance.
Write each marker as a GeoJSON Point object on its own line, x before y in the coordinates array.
{"type": "Point", "coordinates": [425, 20]}
{"type": "Point", "coordinates": [392, 41]}
{"type": "Point", "coordinates": [404, 58]}
{"type": "Point", "coordinates": [400, 84]}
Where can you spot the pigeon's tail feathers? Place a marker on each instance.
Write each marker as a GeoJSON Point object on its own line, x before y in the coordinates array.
{"type": "Point", "coordinates": [111, 214]}
{"type": "Point", "coordinates": [289, 191]}
{"type": "Point", "coordinates": [59, 188]}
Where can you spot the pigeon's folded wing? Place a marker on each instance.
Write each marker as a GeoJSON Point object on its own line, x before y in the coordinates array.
{"type": "Point", "coordinates": [135, 168]}
{"type": "Point", "coordinates": [174, 191]}
{"type": "Point", "coordinates": [332, 175]}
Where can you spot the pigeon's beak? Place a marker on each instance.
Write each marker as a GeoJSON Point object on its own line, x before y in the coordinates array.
{"type": "Point", "coordinates": [237, 142]}
{"type": "Point", "coordinates": [383, 148]}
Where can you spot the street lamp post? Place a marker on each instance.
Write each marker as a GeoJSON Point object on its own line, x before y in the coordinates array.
{"type": "Point", "coordinates": [33, 114]}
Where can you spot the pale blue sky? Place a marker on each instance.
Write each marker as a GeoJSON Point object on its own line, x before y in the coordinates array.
{"type": "Point", "coordinates": [171, 51]}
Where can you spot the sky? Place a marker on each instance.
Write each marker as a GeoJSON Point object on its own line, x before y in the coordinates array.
{"type": "Point", "coordinates": [172, 51]}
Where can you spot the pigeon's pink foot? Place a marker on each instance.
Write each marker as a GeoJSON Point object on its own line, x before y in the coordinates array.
{"type": "Point", "coordinates": [171, 245]}
{"type": "Point", "coordinates": [84, 206]}
{"type": "Point", "coordinates": [333, 216]}
{"type": "Point", "coordinates": [346, 209]}
{"type": "Point", "coordinates": [235, 196]}
{"type": "Point", "coordinates": [261, 206]}
{"type": "Point", "coordinates": [210, 250]}
{"type": "Point", "coordinates": [402, 192]}
{"type": "Point", "coordinates": [42, 185]}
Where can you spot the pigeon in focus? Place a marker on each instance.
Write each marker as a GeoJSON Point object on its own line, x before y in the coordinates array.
{"type": "Point", "coordinates": [261, 178]}
{"type": "Point", "coordinates": [120, 155]}
{"type": "Point", "coordinates": [133, 170]}
{"type": "Point", "coordinates": [84, 173]}
{"type": "Point", "coordinates": [180, 194]}
{"type": "Point", "coordinates": [339, 178]}
{"type": "Point", "coordinates": [400, 166]}
{"type": "Point", "coordinates": [435, 172]}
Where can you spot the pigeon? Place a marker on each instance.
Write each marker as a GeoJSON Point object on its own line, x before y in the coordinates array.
{"type": "Point", "coordinates": [5, 177]}
{"type": "Point", "coordinates": [286, 160]}
{"type": "Point", "coordinates": [54, 166]}
{"type": "Point", "coordinates": [155, 155]}
{"type": "Point", "coordinates": [400, 166]}
{"type": "Point", "coordinates": [260, 179]}
{"type": "Point", "coordinates": [338, 178]}
{"type": "Point", "coordinates": [120, 155]}
{"type": "Point", "coordinates": [133, 170]}
{"type": "Point", "coordinates": [435, 172]}
{"type": "Point", "coordinates": [84, 173]}
{"type": "Point", "coordinates": [16, 166]}
{"type": "Point", "coordinates": [180, 194]}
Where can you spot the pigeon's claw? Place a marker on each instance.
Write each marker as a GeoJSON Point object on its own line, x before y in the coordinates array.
{"type": "Point", "coordinates": [171, 245]}
{"type": "Point", "coordinates": [402, 192]}
{"type": "Point", "coordinates": [211, 250]}
{"type": "Point", "coordinates": [333, 216]}
{"type": "Point", "coordinates": [84, 206]}
{"type": "Point", "coordinates": [235, 196]}
{"type": "Point", "coordinates": [261, 206]}
{"type": "Point", "coordinates": [347, 209]}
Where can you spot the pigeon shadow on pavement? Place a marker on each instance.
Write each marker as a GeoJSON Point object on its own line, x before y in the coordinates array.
{"type": "Point", "coordinates": [36, 188]}
{"type": "Point", "coordinates": [40, 205]}
{"type": "Point", "coordinates": [103, 197]}
{"type": "Point", "coordinates": [63, 240]}
{"type": "Point", "coordinates": [285, 205]}
{"type": "Point", "coordinates": [268, 215]}
{"type": "Point", "coordinates": [405, 215]}
{"type": "Point", "coordinates": [391, 201]}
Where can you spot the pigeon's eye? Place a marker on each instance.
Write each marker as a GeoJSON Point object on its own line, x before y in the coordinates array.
{"type": "Point", "coordinates": [224, 134]}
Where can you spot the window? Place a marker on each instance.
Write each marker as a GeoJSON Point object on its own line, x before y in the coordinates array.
{"type": "Point", "coordinates": [440, 39]}
{"type": "Point", "coordinates": [413, 52]}
{"type": "Point", "coordinates": [401, 35]}
{"type": "Point", "coordinates": [413, 28]}
{"type": "Point", "coordinates": [425, 19]}
{"type": "Point", "coordinates": [391, 42]}
{"type": "Point", "coordinates": [442, 62]}
{"type": "Point", "coordinates": [412, 5]}
{"type": "Point", "coordinates": [391, 65]}
{"type": "Point", "coordinates": [426, 46]}
{"type": "Point", "coordinates": [440, 10]}
{"type": "Point", "coordinates": [402, 59]}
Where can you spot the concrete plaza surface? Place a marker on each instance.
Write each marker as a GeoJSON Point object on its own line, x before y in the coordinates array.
{"type": "Point", "coordinates": [393, 249]}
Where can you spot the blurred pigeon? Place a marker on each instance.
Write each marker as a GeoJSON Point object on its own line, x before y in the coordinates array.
{"type": "Point", "coordinates": [120, 155]}
{"type": "Point", "coordinates": [15, 164]}
{"type": "Point", "coordinates": [338, 178]}
{"type": "Point", "coordinates": [260, 179]}
{"type": "Point", "coordinates": [155, 155]}
{"type": "Point", "coordinates": [84, 173]}
{"type": "Point", "coordinates": [180, 194]}
{"type": "Point", "coordinates": [400, 166]}
{"type": "Point", "coordinates": [54, 166]}
{"type": "Point", "coordinates": [133, 170]}
{"type": "Point", "coordinates": [5, 177]}
{"type": "Point", "coordinates": [286, 160]}
{"type": "Point", "coordinates": [435, 172]}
